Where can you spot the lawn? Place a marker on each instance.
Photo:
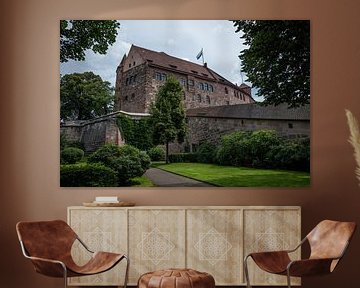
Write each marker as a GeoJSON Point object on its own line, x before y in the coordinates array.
{"type": "Point", "coordinates": [141, 182]}
{"type": "Point", "coordinates": [229, 176]}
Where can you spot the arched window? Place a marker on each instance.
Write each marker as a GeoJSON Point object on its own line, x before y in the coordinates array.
{"type": "Point", "coordinates": [199, 98]}
{"type": "Point", "coordinates": [201, 86]}
{"type": "Point", "coordinates": [206, 86]}
{"type": "Point", "coordinates": [211, 88]}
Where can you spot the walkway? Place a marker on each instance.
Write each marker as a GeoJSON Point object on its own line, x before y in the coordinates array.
{"type": "Point", "coordinates": [163, 178]}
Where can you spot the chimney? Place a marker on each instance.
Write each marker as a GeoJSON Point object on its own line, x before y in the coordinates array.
{"type": "Point", "coordinates": [205, 65]}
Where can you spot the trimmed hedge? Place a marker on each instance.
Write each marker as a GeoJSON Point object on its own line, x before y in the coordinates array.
{"type": "Point", "coordinates": [71, 155]}
{"type": "Point", "coordinates": [87, 175]}
{"type": "Point", "coordinates": [183, 157]}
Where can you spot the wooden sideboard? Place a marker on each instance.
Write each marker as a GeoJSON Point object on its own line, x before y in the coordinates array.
{"type": "Point", "coordinates": [211, 239]}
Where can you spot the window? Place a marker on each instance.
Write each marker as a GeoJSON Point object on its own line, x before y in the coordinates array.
{"type": "Point", "coordinates": [126, 97]}
{"type": "Point", "coordinates": [206, 86]}
{"type": "Point", "coordinates": [291, 126]}
{"type": "Point", "coordinates": [227, 102]}
{"type": "Point", "coordinates": [134, 80]}
{"type": "Point", "coordinates": [226, 90]}
{"type": "Point", "coordinates": [184, 95]}
{"type": "Point", "coordinates": [198, 98]}
{"type": "Point", "coordinates": [201, 86]}
{"type": "Point", "coordinates": [158, 76]}
{"type": "Point", "coordinates": [207, 99]}
{"type": "Point", "coordinates": [127, 81]}
{"type": "Point", "coordinates": [131, 79]}
{"type": "Point", "coordinates": [132, 95]}
{"type": "Point", "coordinates": [211, 88]}
{"type": "Point", "coordinates": [182, 82]}
{"type": "Point", "coordinates": [134, 63]}
{"type": "Point", "coordinates": [129, 65]}
{"type": "Point", "coordinates": [191, 82]}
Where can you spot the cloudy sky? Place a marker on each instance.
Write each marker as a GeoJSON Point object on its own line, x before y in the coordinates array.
{"type": "Point", "coordinates": [180, 38]}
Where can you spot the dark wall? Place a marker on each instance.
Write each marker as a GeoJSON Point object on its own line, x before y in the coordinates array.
{"type": "Point", "coordinates": [29, 124]}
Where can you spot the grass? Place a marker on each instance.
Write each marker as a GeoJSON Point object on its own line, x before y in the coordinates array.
{"type": "Point", "coordinates": [228, 176]}
{"type": "Point", "coordinates": [141, 182]}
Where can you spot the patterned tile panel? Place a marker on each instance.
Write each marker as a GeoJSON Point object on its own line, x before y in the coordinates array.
{"type": "Point", "coordinates": [157, 240]}
{"type": "Point", "coordinates": [214, 241]}
{"type": "Point", "coordinates": [100, 230]}
{"type": "Point", "coordinates": [270, 230]}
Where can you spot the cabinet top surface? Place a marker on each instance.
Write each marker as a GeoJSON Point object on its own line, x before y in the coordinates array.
{"type": "Point", "coordinates": [192, 207]}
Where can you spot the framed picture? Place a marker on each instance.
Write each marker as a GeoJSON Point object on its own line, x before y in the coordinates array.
{"type": "Point", "coordinates": [185, 103]}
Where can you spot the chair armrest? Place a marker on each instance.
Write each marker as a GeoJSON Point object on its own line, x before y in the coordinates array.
{"type": "Point", "coordinates": [48, 267]}
{"type": "Point", "coordinates": [84, 245]}
{"type": "Point", "coordinates": [309, 267]}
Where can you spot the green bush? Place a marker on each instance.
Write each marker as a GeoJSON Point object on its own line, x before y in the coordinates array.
{"type": "Point", "coordinates": [292, 155]}
{"type": "Point", "coordinates": [259, 144]}
{"type": "Point", "coordinates": [183, 157]}
{"type": "Point", "coordinates": [157, 154]}
{"type": "Point", "coordinates": [126, 160]}
{"type": "Point", "coordinates": [206, 153]}
{"type": "Point", "coordinates": [144, 160]}
{"type": "Point", "coordinates": [126, 167]}
{"type": "Point", "coordinates": [71, 155]}
{"type": "Point", "coordinates": [105, 154]}
{"type": "Point", "coordinates": [234, 149]}
{"type": "Point", "coordinates": [247, 148]}
{"type": "Point", "coordinates": [87, 175]}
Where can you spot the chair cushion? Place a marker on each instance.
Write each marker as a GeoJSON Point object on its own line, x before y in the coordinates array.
{"type": "Point", "coordinates": [176, 278]}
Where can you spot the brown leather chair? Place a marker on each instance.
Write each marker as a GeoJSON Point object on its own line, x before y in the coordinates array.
{"type": "Point", "coordinates": [48, 245]}
{"type": "Point", "coordinates": [328, 242]}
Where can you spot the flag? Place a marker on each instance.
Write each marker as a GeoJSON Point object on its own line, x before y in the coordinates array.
{"type": "Point", "coordinates": [199, 54]}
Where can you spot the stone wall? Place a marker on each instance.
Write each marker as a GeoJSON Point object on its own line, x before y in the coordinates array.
{"type": "Point", "coordinates": [212, 129]}
{"type": "Point", "coordinates": [93, 133]}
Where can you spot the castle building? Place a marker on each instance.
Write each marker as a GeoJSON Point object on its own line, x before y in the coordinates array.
{"type": "Point", "coordinates": [143, 71]}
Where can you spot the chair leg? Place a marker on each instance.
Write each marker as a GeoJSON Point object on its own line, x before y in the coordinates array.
{"type": "Point", "coordinates": [288, 278]}
{"type": "Point", "coordinates": [126, 271]}
{"type": "Point", "coordinates": [246, 270]}
{"type": "Point", "coordinates": [65, 275]}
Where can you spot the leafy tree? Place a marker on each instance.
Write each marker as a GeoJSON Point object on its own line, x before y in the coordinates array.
{"type": "Point", "coordinates": [76, 36]}
{"type": "Point", "coordinates": [168, 115]}
{"type": "Point", "coordinates": [277, 61]}
{"type": "Point", "coordinates": [85, 96]}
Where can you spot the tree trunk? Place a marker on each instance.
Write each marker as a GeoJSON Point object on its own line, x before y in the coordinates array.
{"type": "Point", "coordinates": [167, 152]}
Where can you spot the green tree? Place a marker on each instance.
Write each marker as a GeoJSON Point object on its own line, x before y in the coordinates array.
{"type": "Point", "coordinates": [85, 96]}
{"type": "Point", "coordinates": [277, 61]}
{"type": "Point", "coordinates": [168, 115]}
{"type": "Point", "coordinates": [76, 36]}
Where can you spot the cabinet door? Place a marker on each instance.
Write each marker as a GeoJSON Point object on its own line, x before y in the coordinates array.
{"type": "Point", "coordinates": [270, 230]}
{"type": "Point", "coordinates": [101, 230]}
{"type": "Point", "coordinates": [156, 240]}
{"type": "Point", "coordinates": [214, 244]}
